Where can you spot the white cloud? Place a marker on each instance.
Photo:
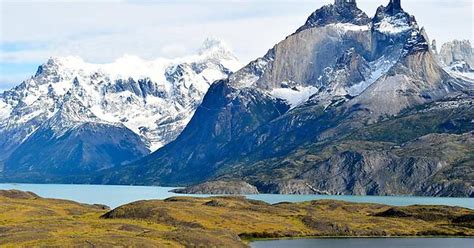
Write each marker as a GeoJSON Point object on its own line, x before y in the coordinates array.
{"type": "Point", "coordinates": [101, 31]}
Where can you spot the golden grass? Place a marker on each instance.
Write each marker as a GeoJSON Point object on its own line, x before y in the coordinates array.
{"type": "Point", "coordinates": [213, 222]}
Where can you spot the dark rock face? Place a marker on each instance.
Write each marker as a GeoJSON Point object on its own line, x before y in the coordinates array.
{"type": "Point", "coordinates": [383, 111]}
{"type": "Point", "coordinates": [220, 188]}
{"type": "Point", "coordinates": [394, 6]}
{"type": "Point", "coordinates": [290, 187]}
{"type": "Point", "coordinates": [340, 12]}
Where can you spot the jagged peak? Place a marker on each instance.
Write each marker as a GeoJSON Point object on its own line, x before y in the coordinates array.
{"type": "Point", "coordinates": [434, 46]}
{"type": "Point", "coordinates": [342, 11]}
{"type": "Point", "coordinates": [58, 69]}
{"type": "Point", "coordinates": [392, 19]}
{"type": "Point", "coordinates": [344, 2]}
{"type": "Point", "coordinates": [395, 6]}
{"type": "Point", "coordinates": [458, 42]}
{"type": "Point", "coordinates": [65, 61]}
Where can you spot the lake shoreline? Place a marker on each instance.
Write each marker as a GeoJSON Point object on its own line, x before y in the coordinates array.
{"type": "Point", "coordinates": [117, 195]}
{"type": "Point", "coordinates": [176, 190]}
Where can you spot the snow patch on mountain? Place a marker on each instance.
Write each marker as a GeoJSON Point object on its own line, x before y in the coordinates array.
{"type": "Point", "coordinates": [5, 110]}
{"type": "Point", "coordinates": [294, 96]}
{"type": "Point", "coordinates": [395, 24]}
{"type": "Point", "coordinates": [460, 70]}
{"type": "Point", "coordinates": [134, 67]}
{"type": "Point", "coordinates": [346, 27]}
{"type": "Point", "coordinates": [378, 68]}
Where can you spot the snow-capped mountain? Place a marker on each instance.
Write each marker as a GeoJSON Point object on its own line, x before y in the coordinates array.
{"type": "Point", "coordinates": [347, 104]}
{"type": "Point", "coordinates": [337, 55]}
{"type": "Point", "coordinates": [154, 99]}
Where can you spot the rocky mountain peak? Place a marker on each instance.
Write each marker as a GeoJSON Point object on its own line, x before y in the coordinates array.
{"type": "Point", "coordinates": [51, 64]}
{"type": "Point", "coordinates": [457, 58]}
{"type": "Point", "coordinates": [344, 3]}
{"type": "Point", "coordinates": [393, 20]}
{"type": "Point", "coordinates": [342, 11]}
{"type": "Point", "coordinates": [457, 51]}
{"type": "Point", "coordinates": [56, 62]}
{"type": "Point", "coordinates": [395, 6]}
{"type": "Point", "coordinates": [392, 27]}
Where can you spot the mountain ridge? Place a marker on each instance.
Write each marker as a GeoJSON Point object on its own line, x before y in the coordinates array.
{"type": "Point", "coordinates": [390, 59]}
{"type": "Point", "coordinates": [149, 102]}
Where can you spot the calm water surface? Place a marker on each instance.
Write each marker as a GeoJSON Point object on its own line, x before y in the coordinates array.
{"type": "Point", "coordinates": [114, 196]}
{"type": "Point", "coordinates": [368, 243]}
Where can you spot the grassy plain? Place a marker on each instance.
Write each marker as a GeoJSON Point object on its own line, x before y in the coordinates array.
{"type": "Point", "coordinates": [27, 220]}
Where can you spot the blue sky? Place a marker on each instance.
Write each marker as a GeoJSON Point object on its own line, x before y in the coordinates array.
{"type": "Point", "coordinates": [101, 31]}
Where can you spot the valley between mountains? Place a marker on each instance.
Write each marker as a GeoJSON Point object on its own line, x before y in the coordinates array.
{"type": "Point", "coordinates": [347, 104]}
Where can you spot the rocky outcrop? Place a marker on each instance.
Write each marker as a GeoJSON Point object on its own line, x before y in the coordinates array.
{"type": "Point", "coordinates": [457, 51]}
{"type": "Point", "coordinates": [416, 79]}
{"type": "Point", "coordinates": [457, 57]}
{"type": "Point", "coordinates": [17, 194]}
{"type": "Point", "coordinates": [341, 12]}
{"type": "Point", "coordinates": [219, 188]}
{"type": "Point", "coordinates": [290, 187]}
{"type": "Point", "coordinates": [424, 166]}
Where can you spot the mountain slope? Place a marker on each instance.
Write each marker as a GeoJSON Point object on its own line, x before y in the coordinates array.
{"type": "Point", "coordinates": [401, 155]}
{"type": "Point", "coordinates": [334, 76]}
{"type": "Point", "coordinates": [72, 143]}
{"type": "Point", "coordinates": [224, 115]}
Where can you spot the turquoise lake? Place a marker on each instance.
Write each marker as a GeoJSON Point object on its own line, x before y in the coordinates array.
{"type": "Point", "coordinates": [114, 196]}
